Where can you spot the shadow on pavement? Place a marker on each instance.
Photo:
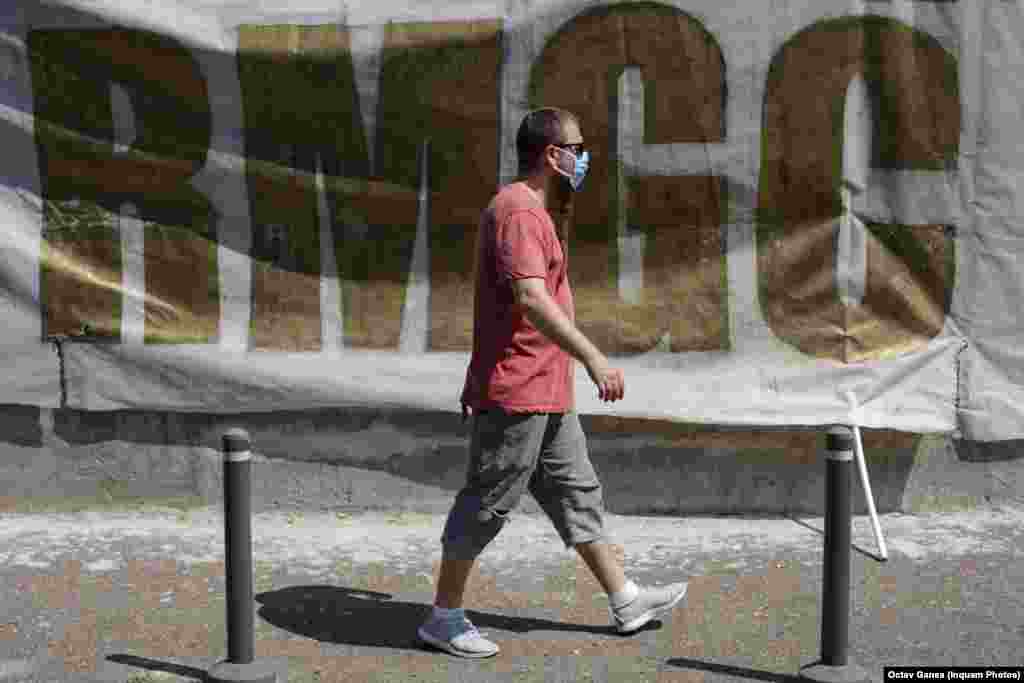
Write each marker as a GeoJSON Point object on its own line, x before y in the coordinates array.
{"type": "Point", "coordinates": [156, 665]}
{"type": "Point", "coordinates": [728, 670]}
{"type": "Point", "coordinates": [820, 532]}
{"type": "Point", "coordinates": [368, 618]}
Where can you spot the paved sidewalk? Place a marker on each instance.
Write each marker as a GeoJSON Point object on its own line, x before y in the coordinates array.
{"type": "Point", "coordinates": [139, 596]}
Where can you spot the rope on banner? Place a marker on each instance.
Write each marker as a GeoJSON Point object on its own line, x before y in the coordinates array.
{"type": "Point", "coordinates": [862, 468]}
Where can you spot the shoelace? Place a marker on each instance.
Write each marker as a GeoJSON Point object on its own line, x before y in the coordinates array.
{"type": "Point", "coordinates": [472, 630]}
{"type": "Point", "coordinates": [625, 605]}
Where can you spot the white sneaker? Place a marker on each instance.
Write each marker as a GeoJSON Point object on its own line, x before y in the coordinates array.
{"type": "Point", "coordinates": [649, 603]}
{"type": "Point", "coordinates": [456, 636]}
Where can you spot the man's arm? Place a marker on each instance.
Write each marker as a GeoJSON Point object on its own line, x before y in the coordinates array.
{"type": "Point", "coordinates": [547, 316]}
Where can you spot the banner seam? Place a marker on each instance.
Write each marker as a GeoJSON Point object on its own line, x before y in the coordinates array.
{"type": "Point", "coordinates": [57, 340]}
{"type": "Point", "coordinates": [958, 412]}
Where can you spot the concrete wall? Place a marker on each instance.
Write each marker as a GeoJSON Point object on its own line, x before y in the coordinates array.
{"type": "Point", "coordinates": [405, 460]}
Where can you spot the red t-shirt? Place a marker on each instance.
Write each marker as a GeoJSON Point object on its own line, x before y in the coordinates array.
{"type": "Point", "coordinates": [513, 365]}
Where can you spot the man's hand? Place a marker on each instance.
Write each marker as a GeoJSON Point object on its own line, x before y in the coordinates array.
{"type": "Point", "coordinates": [610, 382]}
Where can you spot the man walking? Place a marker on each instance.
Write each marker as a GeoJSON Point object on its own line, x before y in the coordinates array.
{"type": "Point", "coordinates": [526, 434]}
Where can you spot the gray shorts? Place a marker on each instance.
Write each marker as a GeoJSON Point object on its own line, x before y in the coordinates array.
{"type": "Point", "coordinates": [509, 453]}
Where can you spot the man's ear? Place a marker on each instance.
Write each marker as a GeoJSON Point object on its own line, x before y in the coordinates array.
{"type": "Point", "coordinates": [549, 156]}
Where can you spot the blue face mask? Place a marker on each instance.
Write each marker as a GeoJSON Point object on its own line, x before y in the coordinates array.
{"type": "Point", "coordinates": [579, 169]}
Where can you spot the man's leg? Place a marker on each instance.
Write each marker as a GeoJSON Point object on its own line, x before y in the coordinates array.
{"type": "Point", "coordinates": [468, 530]}
{"type": "Point", "coordinates": [632, 606]}
{"type": "Point", "coordinates": [464, 538]}
{"type": "Point", "coordinates": [603, 564]}
{"type": "Point", "coordinates": [567, 488]}
{"type": "Point", "coordinates": [451, 584]}
{"type": "Point", "coordinates": [503, 453]}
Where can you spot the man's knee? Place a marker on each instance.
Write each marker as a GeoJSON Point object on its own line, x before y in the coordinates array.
{"type": "Point", "coordinates": [471, 528]}
{"type": "Point", "coordinates": [577, 514]}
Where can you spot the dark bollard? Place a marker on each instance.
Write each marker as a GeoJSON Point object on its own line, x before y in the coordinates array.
{"type": "Point", "coordinates": [240, 664]}
{"type": "Point", "coordinates": [834, 665]}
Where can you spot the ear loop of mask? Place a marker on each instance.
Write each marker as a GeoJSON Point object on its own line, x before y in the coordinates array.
{"type": "Point", "coordinates": [576, 176]}
{"type": "Point", "coordinates": [561, 171]}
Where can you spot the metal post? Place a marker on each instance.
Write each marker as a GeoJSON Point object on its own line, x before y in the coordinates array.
{"type": "Point", "coordinates": [238, 537]}
{"type": "Point", "coordinates": [834, 665]}
{"type": "Point", "coordinates": [240, 664]}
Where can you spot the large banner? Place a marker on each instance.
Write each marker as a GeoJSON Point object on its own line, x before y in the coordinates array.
{"type": "Point", "coordinates": [798, 212]}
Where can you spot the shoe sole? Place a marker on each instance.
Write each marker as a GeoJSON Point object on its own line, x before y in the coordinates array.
{"type": "Point", "coordinates": [451, 649]}
{"type": "Point", "coordinates": [641, 620]}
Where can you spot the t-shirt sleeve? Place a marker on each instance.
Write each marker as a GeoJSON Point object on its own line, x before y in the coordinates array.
{"type": "Point", "coordinates": [521, 247]}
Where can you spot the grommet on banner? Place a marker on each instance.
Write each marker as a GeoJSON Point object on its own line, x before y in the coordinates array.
{"type": "Point", "coordinates": [241, 664]}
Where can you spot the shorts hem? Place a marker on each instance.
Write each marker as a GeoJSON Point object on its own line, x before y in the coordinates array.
{"type": "Point", "coordinates": [569, 545]}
